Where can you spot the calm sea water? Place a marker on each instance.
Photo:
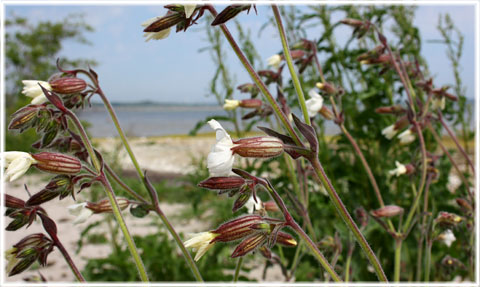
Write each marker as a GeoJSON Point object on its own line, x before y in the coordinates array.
{"type": "Point", "coordinates": [158, 120]}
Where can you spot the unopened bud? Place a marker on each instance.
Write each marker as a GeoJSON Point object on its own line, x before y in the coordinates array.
{"type": "Point", "coordinates": [13, 202]}
{"type": "Point", "coordinates": [396, 109]}
{"type": "Point", "coordinates": [24, 118]}
{"type": "Point", "coordinates": [61, 185]}
{"type": "Point", "coordinates": [464, 204]}
{"type": "Point", "coordinates": [223, 182]}
{"type": "Point", "coordinates": [450, 262]}
{"type": "Point", "coordinates": [352, 22]}
{"type": "Point", "coordinates": [297, 54]}
{"type": "Point", "coordinates": [286, 239]}
{"type": "Point", "coordinates": [248, 88]}
{"type": "Point", "coordinates": [68, 85]}
{"type": "Point", "coordinates": [249, 244]}
{"type": "Point", "coordinates": [327, 88]}
{"type": "Point", "coordinates": [382, 59]}
{"type": "Point", "coordinates": [32, 240]}
{"type": "Point", "coordinates": [327, 242]}
{"type": "Point", "coordinates": [271, 206]}
{"type": "Point", "coordinates": [447, 219]}
{"type": "Point", "coordinates": [265, 252]}
{"type": "Point", "coordinates": [237, 228]}
{"type": "Point", "coordinates": [387, 211]}
{"type": "Point", "coordinates": [372, 53]}
{"type": "Point", "coordinates": [251, 103]}
{"type": "Point", "coordinates": [57, 163]}
{"type": "Point", "coordinates": [260, 147]}
{"type": "Point", "coordinates": [361, 216]}
{"type": "Point", "coordinates": [326, 113]}
{"type": "Point", "coordinates": [104, 206]}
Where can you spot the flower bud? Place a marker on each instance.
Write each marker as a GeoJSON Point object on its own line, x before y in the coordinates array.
{"type": "Point", "coordinates": [297, 54]}
{"type": "Point", "coordinates": [260, 147]}
{"type": "Point", "coordinates": [465, 205]}
{"type": "Point", "coordinates": [31, 248]}
{"type": "Point", "coordinates": [387, 211]}
{"type": "Point", "coordinates": [326, 113]}
{"type": "Point", "coordinates": [265, 252]}
{"type": "Point", "coordinates": [223, 182]}
{"type": "Point", "coordinates": [249, 244]}
{"type": "Point", "coordinates": [450, 262]}
{"type": "Point", "coordinates": [248, 88]}
{"type": "Point", "coordinates": [271, 206]}
{"type": "Point", "coordinates": [13, 202]}
{"type": "Point", "coordinates": [446, 219]}
{"type": "Point", "coordinates": [382, 59]}
{"type": "Point", "coordinates": [236, 228]}
{"type": "Point", "coordinates": [68, 85]}
{"type": "Point", "coordinates": [250, 103]}
{"type": "Point", "coordinates": [242, 199]}
{"type": "Point", "coordinates": [104, 206]}
{"type": "Point", "coordinates": [327, 88]}
{"type": "Point", "coordinates": [24, 118]}
{"type": "Point", "coordinates": [352, 22]}
{"type": "Point", "coordinates": [361, 216]}
{"type": "Point", "coordinates": [60, 185]}
{"type": "Point", "coordinates": [286, 239]}
{"type": "Point", "coordinates": [396, 109]}
{"type": "Point", "coordinates": [57, 163]}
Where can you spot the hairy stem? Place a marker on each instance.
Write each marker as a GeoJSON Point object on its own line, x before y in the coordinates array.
{"type": "Point", "coordinates": [398, 258]}
{"type": "Point", "coordinates": [343, 212]}
{"type": "Point", "coordinates": [237, 269]}
{"type": "Point", "coordinates": [69, 260]}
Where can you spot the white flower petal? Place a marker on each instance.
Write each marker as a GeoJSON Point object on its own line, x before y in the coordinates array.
{"type": "Point", "coordinates": [17, 164]}
{"type": "Point", "coordinates": [80, 211]}
{"type": "Point", "coordinates": [314, 104]}
{"type": "Point", "coordinates": [252, 206]}
{"type": "Point", "coordinates": [406, 137]}
{"type": "Point", "coordinates": [389, 132]}
{"type": "Point", "coordinates": [231, 104]}
{"type": "Point", "coordinates": [189, 9]}
{"type": "Point", "coordinates": [274, 61]}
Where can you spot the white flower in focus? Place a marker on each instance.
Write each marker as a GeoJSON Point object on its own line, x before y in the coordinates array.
{"type": "Point", "coordinates": [231, 104]}
{"type": "Point", "coordinates": [253, 206]}
{"type": "Point", "coordinates": [406, 137]}
{"type": "Point", "coordinates": [32, 89]}
{"type": "Point", "coordinates": [220, 159]}
{"type": "Point", "coordinates": [200, 243]}
{"type": "Point", "coordinates": [389, 132]}
{"type": "Point", "coordinates": [189, 9]}
{"type": "Point", "coordinates": [438, 103]}
{"type": "Point", "coordinates": [447, 237]}
{"type": "Point", "coordinates": [17, 163]}
{"type": "Point", "coordinates": [401, 169]}
{"type": "Point", "coordinates": [274, 61]}
{"type": "Point", "coordinates": [155, 35]}
{"type": "Point", "coordinates": [314, 104]}
{"type": "Point", "coordinates": [81, 212]}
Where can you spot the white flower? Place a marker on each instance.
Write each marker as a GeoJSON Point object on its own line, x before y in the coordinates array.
{"type": "Point", "coordinates": [220, 159]}
{"type": "Point", "coordinates": [447, 237]}
{"type": "Point", "coordinates": [389, 132]}
{"type": "Point", "coordinates": [454, 182]}
{"type": "Point", "coordinates": [231, 104]}
{"type": "Point", "coordinates": [401, 169]}
{"type": "Point", "coordinates": [253, 206]}
{"type": "Point", "coordinates": [274, 61]}
{"type": "Point", "coordinates": [438, 103]}
{"type": "Point", "coordinates": [32, 89]}
{"type": "Point", "coordinates": [155, 35]}
{"type": "Point", "coordinates": [189, 9]}
{"type": "Point", "coordinates": [314, 104]}
{"type": "Point", "coordinates": [17, 164]}
{"type": "Point", "coordinates": [406, 137]}
{"type": "Point", "coordinates": [200, 243]}
{"type": "Point", "coordinates": [81, 212]}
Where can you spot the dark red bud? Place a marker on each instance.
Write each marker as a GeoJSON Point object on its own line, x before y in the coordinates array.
{"type": "Point", "coordinates": [13, 202]}
{"type": "Point", "coordinates": [352, 22]}
{"type": "Point", "coordinates": [223, 182]}
{"type": "Point", "coordinates": [286, 239]}
{"type": "Point", "coordinates": [387, 211]}
{"type": "Point", "coordinates": [251, 103]}
{"type": "Point", "coordinates": [236, 228]}
{"type": "Point", "coordinates": [57, 163]}
{"type": "Point", "coordinates": [259, 147]}
{"type": "Point", "coordinates": [68, 85]}
{"type": "Point", "coordinates": [249, 244]}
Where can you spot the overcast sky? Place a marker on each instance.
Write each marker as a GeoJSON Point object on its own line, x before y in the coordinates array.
{"type": "Point", "coordinates": [173, 70]}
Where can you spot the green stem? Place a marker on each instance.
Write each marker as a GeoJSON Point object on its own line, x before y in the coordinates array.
{"type": "Point", "coordinates": [343, 212]}
{"type": "Point", "coordinates": [428, 260]}
{"type": "Point", "coordinates": [120, 182]}
{"type": "Point", "coordinates": [111, 197]}
{"type": "Point", "coordinates": [114, 118]}
{"type": "Point", "coordinates": [348, 262]}
{"type": "Point", "coordinates": [398, 259]}
{"type": "Point", "coordinates": [291, 68]}
{"type": "Point", "coordinates": [237, 269]}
